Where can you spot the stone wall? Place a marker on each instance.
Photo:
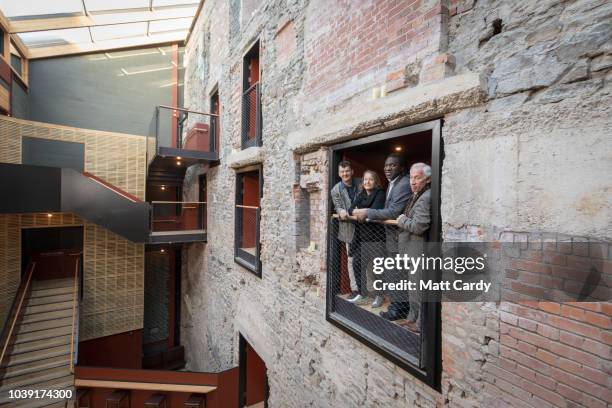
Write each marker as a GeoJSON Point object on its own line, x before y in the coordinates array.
{"type": "Point", "coordinates": [524, 91]}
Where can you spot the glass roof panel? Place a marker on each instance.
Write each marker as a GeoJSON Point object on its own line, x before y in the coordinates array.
{"type": "Point", "coordinates": [170, 25]}
{"type": "Point", "coordinates": [162, 3]}
{"type": "Point", "coordinates": [99, 5]}
{"type": "Point", "coordinates": [102, 33]}
{"type": "Point", "coordinates": [15, 8]}
{"type": "Point", "coordinates": [55, 37]}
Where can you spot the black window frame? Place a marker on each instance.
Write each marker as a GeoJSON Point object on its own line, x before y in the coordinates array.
{"type": "Point", "coordinates": [246, 88]}
{"type": "Point", "coordinates": [215, 121]}
{"type": "Point", "coordinates": [241, 257]}
{"type": "Point", "coordinates": [431, 373]}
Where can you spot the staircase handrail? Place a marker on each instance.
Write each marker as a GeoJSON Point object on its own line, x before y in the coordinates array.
{"type": "Point", "coordinates": [24, 291]}
{"type": "Point", "coordinates": [75, 313]}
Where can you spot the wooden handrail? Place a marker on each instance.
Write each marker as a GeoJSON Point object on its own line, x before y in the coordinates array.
{"type": "Point", "coordinates": [17, 312]}
{"type": "Point", "coordinates": [74, 310]}
{"type": "Point", "coordinates": [248, 207]}
{"type": "Point", "coordinates": [353, 218]}
{"type": "Point", "coordinates": [148, 386]}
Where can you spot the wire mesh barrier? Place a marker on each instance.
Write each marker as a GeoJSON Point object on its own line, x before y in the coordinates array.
{"type": "Point", "coordinates": [251, 117]}
{"type": "Point", "coordinates": [186, 129]}
{"type": "Point", "coordinates": [247, 235]}
{"type": "Point", "coordinates": [359, 295]}
{"type": "Point", "coordinates": [169, 216]}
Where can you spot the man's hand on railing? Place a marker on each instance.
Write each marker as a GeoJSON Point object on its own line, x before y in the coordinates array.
{"type": "Point", "coordinates": [360, 214]}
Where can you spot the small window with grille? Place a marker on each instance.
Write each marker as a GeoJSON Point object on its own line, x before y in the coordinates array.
{"type": "Point", "coordinates": [247, 217]}
{"type": "Point", "coordinates": [251, 98]}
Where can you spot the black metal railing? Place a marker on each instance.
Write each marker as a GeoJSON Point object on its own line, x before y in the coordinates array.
{"type": "Point", "coordinates": [247, 245]}
{"type": "Point", "coordinates": [178, 216]}
{"type": "Point", "coordinates": [251, 116]}
{"type": "Point", "coordinates": [359, 294]}
{"type": "Point", "coordinates": [186, 129]}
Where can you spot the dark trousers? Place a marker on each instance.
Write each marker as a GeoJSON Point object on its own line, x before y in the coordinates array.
{"type": "Point", "coordinates": [360, 276]}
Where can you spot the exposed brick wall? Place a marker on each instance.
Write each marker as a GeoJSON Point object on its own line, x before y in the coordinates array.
{"type": "Point", "coordinates": [521, 158]}
{"type": "Point", "coordinates": [352, 45]}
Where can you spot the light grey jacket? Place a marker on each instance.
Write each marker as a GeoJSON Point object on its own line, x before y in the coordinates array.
{"type": "Point", "coordinates": [414, 226]}
{"type": "Point", "coordinates": [342, 201]}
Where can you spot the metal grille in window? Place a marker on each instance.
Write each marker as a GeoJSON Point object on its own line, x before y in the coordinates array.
{"type": "Point", "coordinates": [351, 273]}
{"type": "Point", "coordinates": [247, 237]}
{"type": "Point", "coordinates": [251, 116]}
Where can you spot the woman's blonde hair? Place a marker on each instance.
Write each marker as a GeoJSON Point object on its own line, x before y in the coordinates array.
{"type": "Point", "coordinates": [374, 175]}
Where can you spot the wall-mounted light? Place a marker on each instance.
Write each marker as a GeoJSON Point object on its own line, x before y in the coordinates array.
{"type": "Point", "coordinates": [49, 215]}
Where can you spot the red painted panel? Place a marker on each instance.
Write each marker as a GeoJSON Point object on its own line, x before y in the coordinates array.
{"type": "Point", "coordinates": [255, 377]}
{"type": "Point", "coordinates": [123, 350]}
{"type": "Point", "coordinates": [197, 138]}
{"type": "Point", "coordinates": [250, 197]}
{"type": "Point", "coordinates": [226, 394]}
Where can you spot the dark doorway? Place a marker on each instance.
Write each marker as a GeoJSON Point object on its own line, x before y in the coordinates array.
{"type": "Point", "coordinates": [253, 382]}
{"type": "Point", "coordinates": [53, 249]}
{"type": "Point", "coordinates": [161, 342]}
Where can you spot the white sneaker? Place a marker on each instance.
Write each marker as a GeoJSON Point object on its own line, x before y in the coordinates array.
{"type": "Point", "coordinates": [356, 298]}
{"type": "Point", "coordinates": [378, 301]}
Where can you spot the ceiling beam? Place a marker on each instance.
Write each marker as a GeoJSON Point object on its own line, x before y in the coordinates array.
{"type": "Point", "coordinates": [93, 20]}
{"type": "Point", "coordinates": [101, 46]}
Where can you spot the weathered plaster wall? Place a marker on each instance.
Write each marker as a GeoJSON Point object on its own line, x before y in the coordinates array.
{"type": "Point", "coordinates": [526, 117]}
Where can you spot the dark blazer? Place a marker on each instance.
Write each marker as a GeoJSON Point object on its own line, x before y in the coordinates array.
{"type": "Point", "coordinates": [394, 206]}
{"type": "Point", "coordinates": [376, 200]}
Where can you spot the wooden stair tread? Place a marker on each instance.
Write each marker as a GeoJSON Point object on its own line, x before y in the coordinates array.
{"type": "Point", "coordinates": [52, 283]}
{"type": "Point", "coordinates": [46, 316]}
{"type": "Point", "coordinates": [25, 347]}
{"type": "Point", "coordinates": [40, 380]}
{"type": "Point", "coordinates": [36, 293]}
{"type": "Point", "coordinates": [48, 307]}
{"type": "Point", "coordinates": [44, 325]}
{"type": "Point", "coordinates": [43, 300]}
{"type": "Point", "coordinates": [23, 358]}
{"type": "Point", "coordinates": [43, 334]}
{"type": "Point", "coordinates": [37, 365]}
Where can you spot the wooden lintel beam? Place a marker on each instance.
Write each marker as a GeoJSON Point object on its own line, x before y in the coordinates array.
{"type": "Point", "coordinates": [94, 20]}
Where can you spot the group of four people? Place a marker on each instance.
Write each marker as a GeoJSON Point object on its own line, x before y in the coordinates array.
{"type": "Point", "coordinates": [362, 205]}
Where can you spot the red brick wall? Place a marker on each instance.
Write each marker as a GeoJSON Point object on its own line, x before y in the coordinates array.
{"type": "Point", "coordinates": [359, 39]}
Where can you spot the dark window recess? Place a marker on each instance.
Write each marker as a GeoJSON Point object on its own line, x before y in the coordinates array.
{"type": "Point", "coordinates": [215, 121]}
{"type": "Point", "coordinates": [202, 199]}
{"type": "Point", "coordinates": [251, 98]}
{"type": "Point", "coordinates": [246, 237]}
{"type": "Point", "coordinates": [2, 34]}
{"type": "Point", "coordinates": [53, 153]}
{"type": "Point", "coordinates": [411, 336]}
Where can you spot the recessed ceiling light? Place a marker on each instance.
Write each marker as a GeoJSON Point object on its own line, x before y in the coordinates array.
{"type": "Point", "coordinates": [178, 163]}
{"type": "Point", "coordinates": [49, 215]}
{"type": "Point", "coordinates": [398, 148]}
{"type": "Point", "coordinates": [163, 187]}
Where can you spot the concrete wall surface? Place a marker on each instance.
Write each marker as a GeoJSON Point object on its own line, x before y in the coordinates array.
{"type": "Point", "coordinates": [524, 91]}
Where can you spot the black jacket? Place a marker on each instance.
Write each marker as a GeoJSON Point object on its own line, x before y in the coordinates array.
{"type": "Point", "coordinates": [369, 231]}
